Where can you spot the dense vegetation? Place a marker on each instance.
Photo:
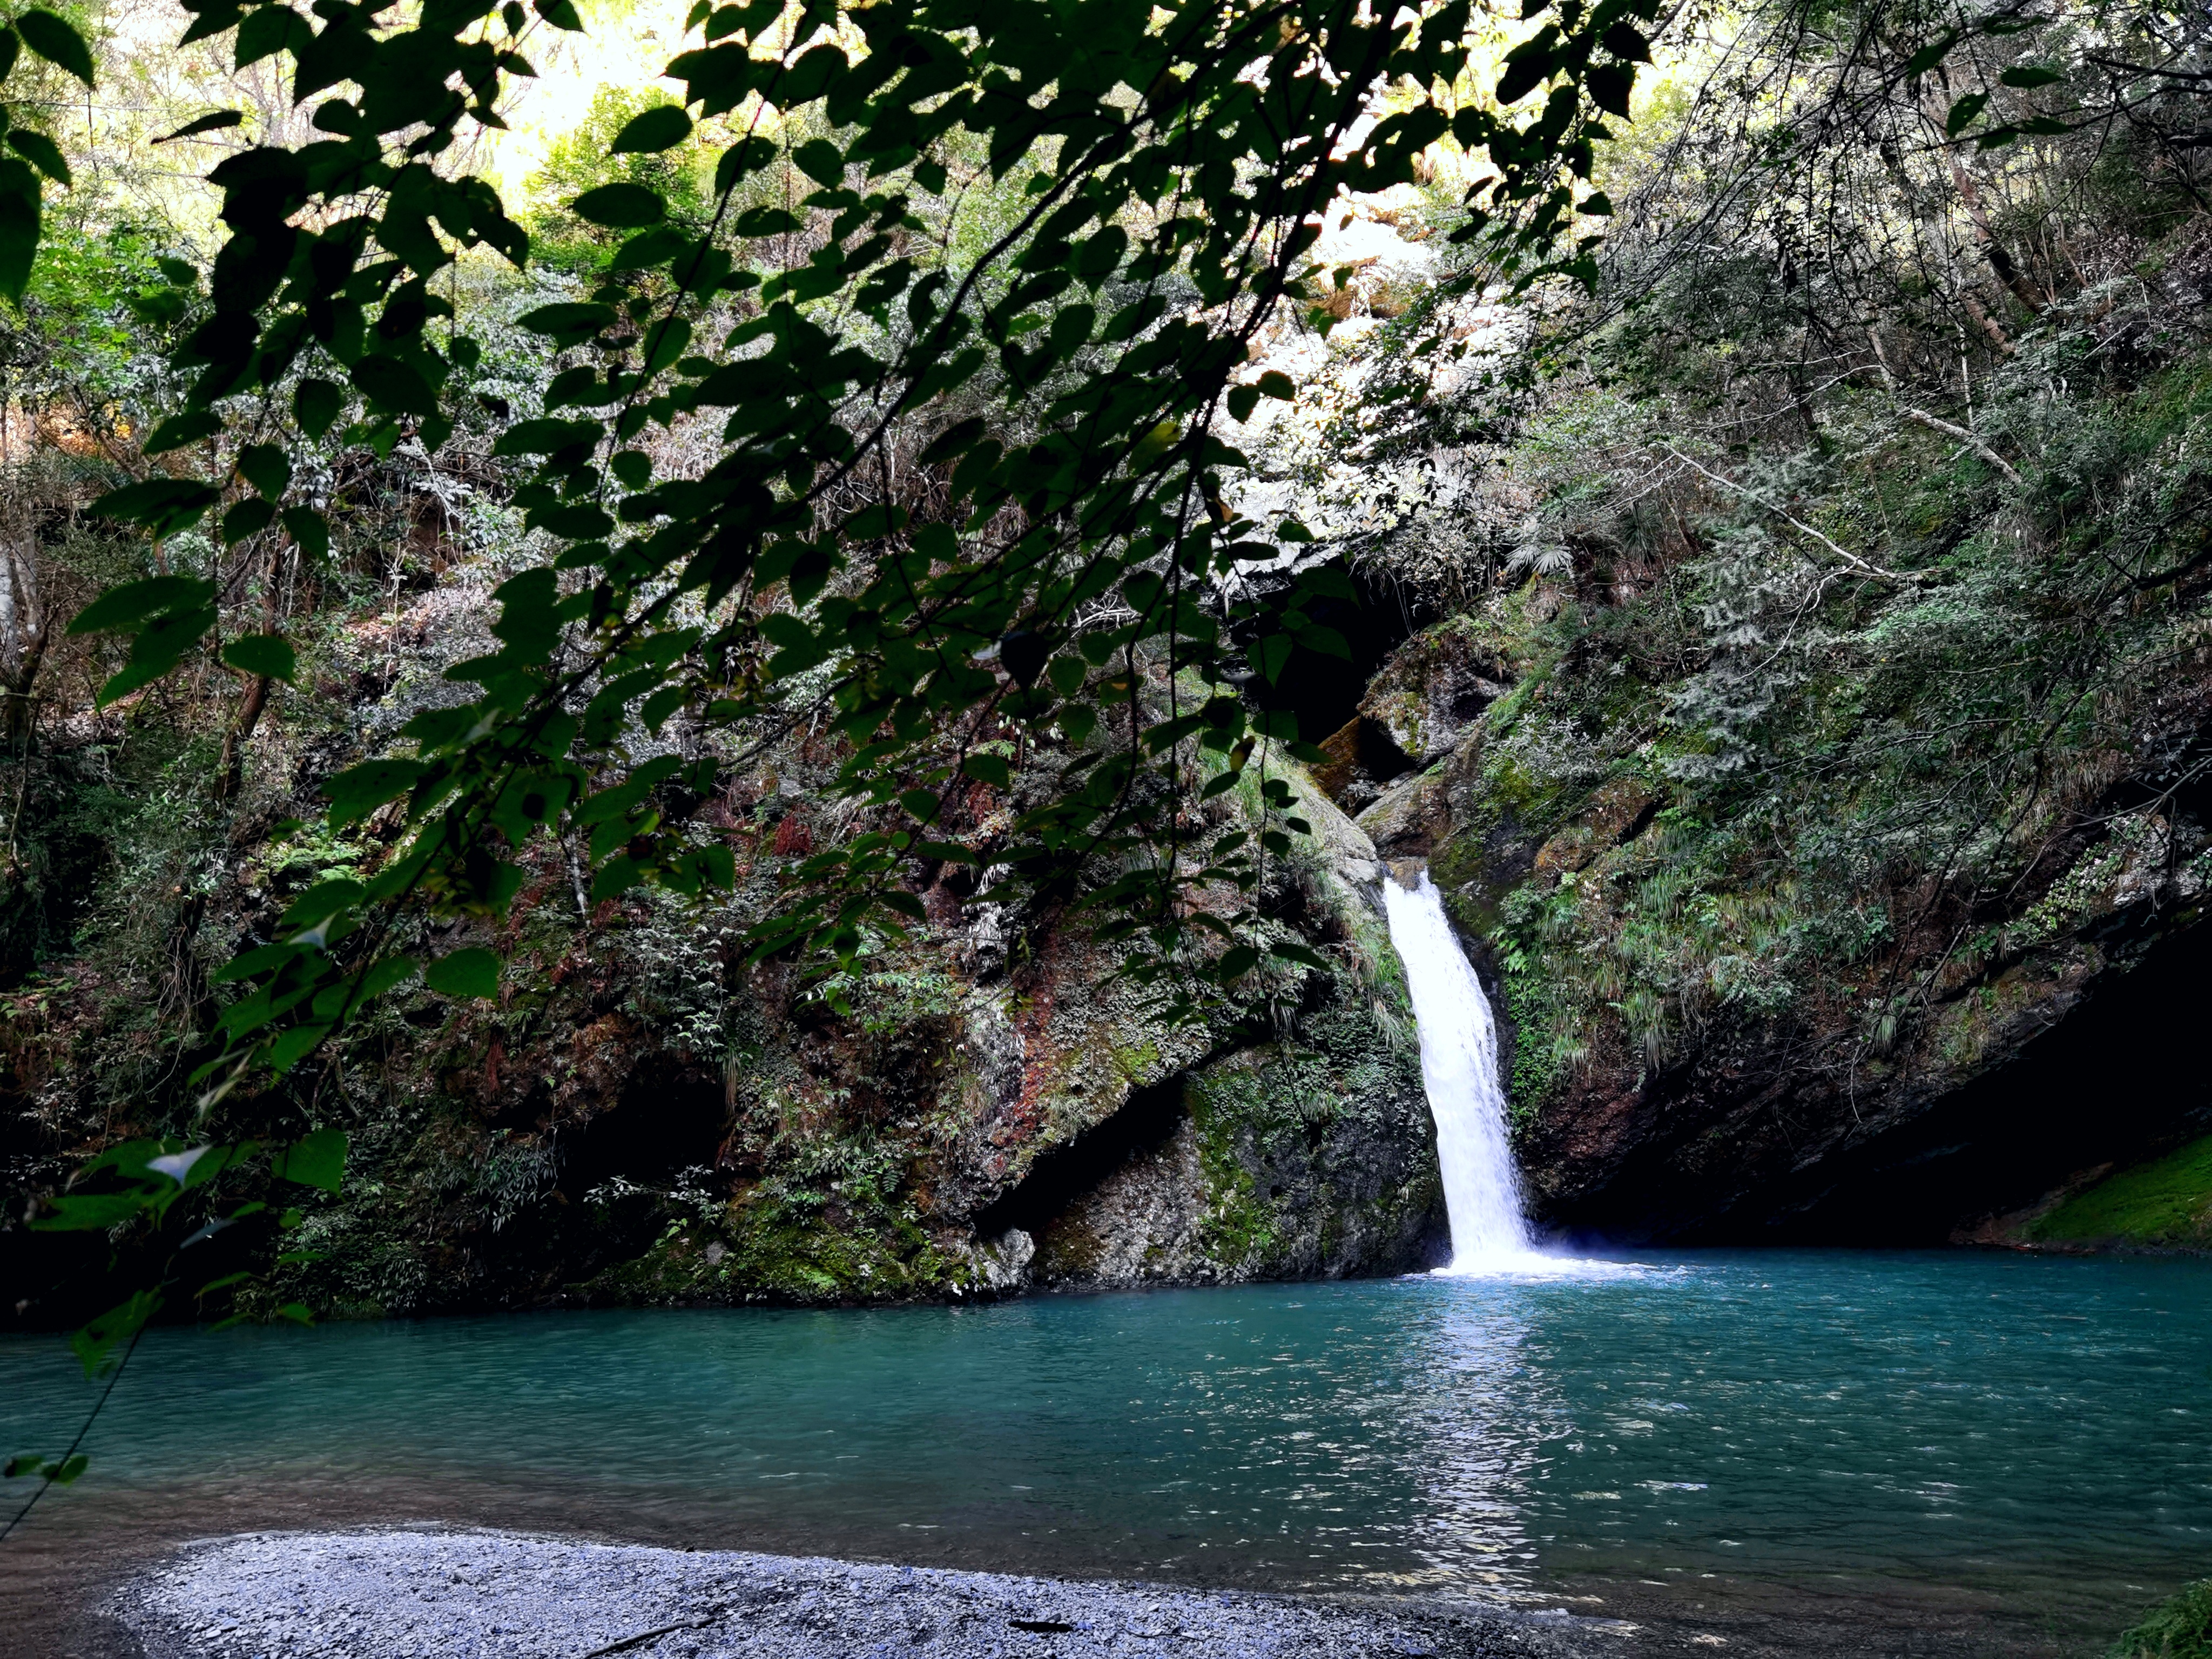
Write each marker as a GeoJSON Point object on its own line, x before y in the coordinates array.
{"type": "Point", "coordinates": [1845, 550]}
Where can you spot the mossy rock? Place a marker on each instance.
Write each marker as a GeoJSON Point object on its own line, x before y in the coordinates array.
{"type": "Point", "coordinates": [2166, 1201]}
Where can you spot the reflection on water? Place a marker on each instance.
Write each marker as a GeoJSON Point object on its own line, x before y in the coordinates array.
{"type": "Point", "coordinates": [2016, 1446]}
{"type": "Point", "coordinates": [1480, 1418]}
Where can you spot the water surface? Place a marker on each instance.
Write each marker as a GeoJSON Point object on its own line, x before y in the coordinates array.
{"type": "Point", "coordinates": [1946, 1453]}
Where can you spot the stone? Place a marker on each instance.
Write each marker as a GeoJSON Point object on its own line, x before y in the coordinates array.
{"type": "Point", "coordinates": [1432, 690]}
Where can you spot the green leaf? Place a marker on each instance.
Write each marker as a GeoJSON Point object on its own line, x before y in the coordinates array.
{"type": "Point", "coordinates": [266, 468]}
{"type": "Point", "coordinates": [907, 904]}
{"type": "Point", "coordinates": [317, 404]}
{"type": "Point", "coordinates": [211, 123]}
{"type": "Point", "coordinates": [820, 161]}
{"type": "Point", "coordinates": [2032, 74]}
{"type": "Point", "coordinates": [1625, 42]}
{"type": "Point", "coordinates": [96, 1340]}
{"type": "Point", "coordinates": [1243, 400]}
{"type": "Point", "coordinates": [181, 429]}
{"type": "Point", "coordinates": [1609, 86]}
{"type": "Point", "coordinates": [41, 152]}
{"type": "Point", "coordinates": [615, 876]}
{"type": "Point", "coordinates": [991, 768]}
{"type": "Point", "coordinates": [1325, 641]}
{"type": "Point", "coordinates": [19, 242]}
{"type": "Point", "coordinates": [1271, 655]}
{"type": "Point", "coordinates": [621, 206]}
{"type": "Point", "coordinates": [757, 221]}
{"type": "Point", "coordinates": [164, 506]}
{"type": "Point", "coordinates": [320, 904]}
{"type": "Point", "coordinates": [292, 1047]}
{"type": "Point", "coordinates": [379, 979]}
{"type": "Point", "coordinates": [360, 790]}
{"type": "Point", "coordinates": [543, 437]}
{"type": "Point", "coordinates": [268, 29]}
{"type": "Point", "coordinates": [309, 529]}
{"type": "Point", "coordinates": [77, 1213]}
{"type": "Point", "coordinates": [389, 384]}
{"type": "Point", "coordinates": [57, 42]}
{"type": "Point", "coordinates": [1963, 112]}
{"type": "Point", "coordinates": [1529, 65]}
{"type": "Point", "coordinates": [248, 518]}
{"type": "Point", "coordinates": [1236, 961]}
{"type": "Point", "coordinates": [316, 1159]}
{"type": "Point", "coordinates": [263, 654]}
{"type": "Point", "coordinates": [569, 317]}
{"type": "Point", "coordinates": [651, 130]}
{"type": "Point", "coordinates": [649, 248]}
{"type": "Point", "coordinates": [473, 972]}
{"type": "Point", "coordinates": [1931, 54]}
{"type": "Point", "coordinates": [128, 607]}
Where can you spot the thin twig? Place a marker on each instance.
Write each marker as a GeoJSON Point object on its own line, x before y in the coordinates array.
{"type": "Point", "coordinates": [643, 1637]}
{"type": "Point", "coordinates": [84, 1429]}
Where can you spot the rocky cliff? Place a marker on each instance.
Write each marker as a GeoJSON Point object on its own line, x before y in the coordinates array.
{"type": "Point", "coordinates": [1976, 1061]}
{"type": "Point", "coordinates": [981, 1108]}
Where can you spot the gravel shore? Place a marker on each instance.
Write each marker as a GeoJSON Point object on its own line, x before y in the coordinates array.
{"type": "Point", "coordinates": [406, 1594]}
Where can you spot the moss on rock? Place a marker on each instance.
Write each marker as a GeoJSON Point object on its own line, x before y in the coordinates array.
{"type": "Point", "coordinates": [2166, 1201]}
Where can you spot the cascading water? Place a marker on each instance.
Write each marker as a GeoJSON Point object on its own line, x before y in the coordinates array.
{"type": "Point", "coordinates": [1459, 1068]}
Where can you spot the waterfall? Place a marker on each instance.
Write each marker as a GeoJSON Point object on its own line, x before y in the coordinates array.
{"type": "Point", "coordinates": [1459, 1068]}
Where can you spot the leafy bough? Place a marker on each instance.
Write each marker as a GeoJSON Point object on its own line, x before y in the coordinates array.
{"type": "Point", "coordinates": [1163, 149]}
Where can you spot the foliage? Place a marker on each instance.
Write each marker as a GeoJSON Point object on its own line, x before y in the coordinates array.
{"type": "Point", "coordinates": [2180, 1627]}
{"type": "Point", "coordinates": [1834, 525]}
{"type": "Point", "coordinates": [584, 160]}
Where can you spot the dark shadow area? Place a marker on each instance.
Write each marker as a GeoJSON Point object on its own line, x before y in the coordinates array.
{"type": "Point", "coordinates": [1363, 762]}
{"type": "Point", "coordinates": [1147, 1121]}
{"type": "Point", "coordinates": [670, 1119]}
{"type": "Point", "coordinates": [1324, 690]}
{"type": "Point", "coordinates": [2117, 1080]}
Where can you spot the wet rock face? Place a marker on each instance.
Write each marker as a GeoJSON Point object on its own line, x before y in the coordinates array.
{"type": "Point", "coordinates": [1754, 1139]}
{"type": "Point", "coordinates": [1260, 1166]}
{"type": "Point", "coordinates": [1139, 1157]}
{"type": "Point", "coordinates": [976, 1120]}
{"type": "Point", "coordinates": [1430, 694]}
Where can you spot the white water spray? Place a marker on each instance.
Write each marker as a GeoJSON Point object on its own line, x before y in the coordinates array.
{"type": "Point", "coordinates": [1459, 1068]}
